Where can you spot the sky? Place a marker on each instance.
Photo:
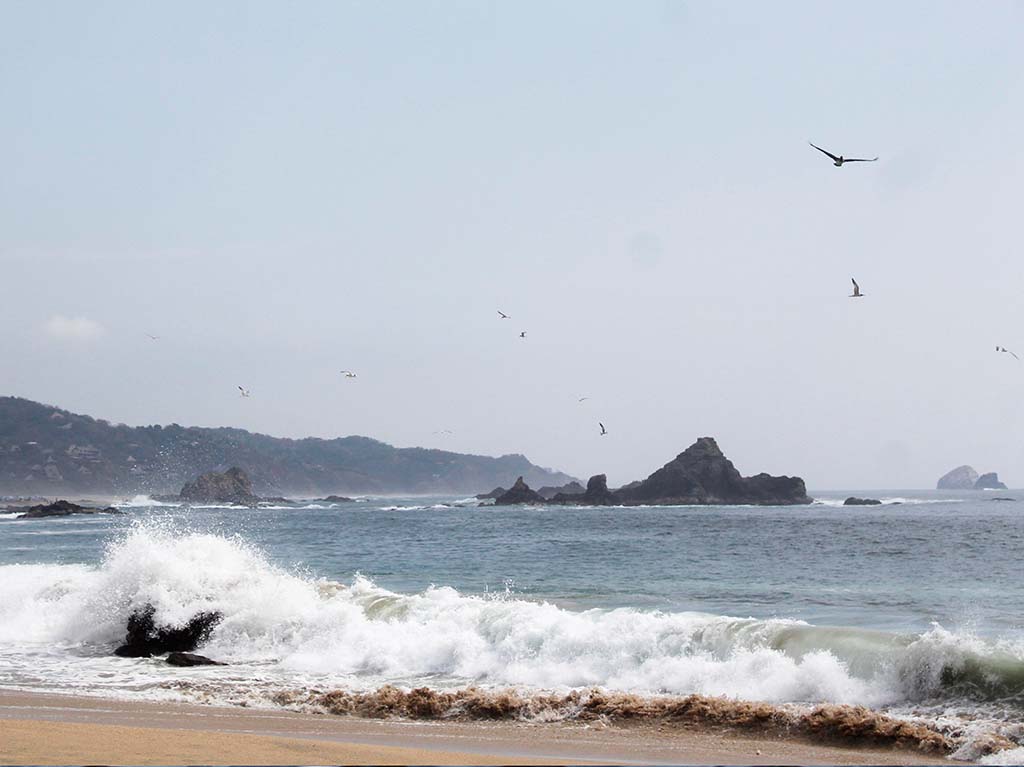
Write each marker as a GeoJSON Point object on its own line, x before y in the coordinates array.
{"type": "Point", "coordinates": [280, 191]}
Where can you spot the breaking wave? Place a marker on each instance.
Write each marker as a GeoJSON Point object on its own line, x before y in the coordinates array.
{"type": "Point", "coordinates": [295, 636]}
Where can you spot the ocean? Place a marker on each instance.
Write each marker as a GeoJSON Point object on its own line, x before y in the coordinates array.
{"type": "Point", "coordinates": [913, 608]}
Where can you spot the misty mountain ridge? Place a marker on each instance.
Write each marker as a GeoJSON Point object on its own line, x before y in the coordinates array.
{"type": "Point", "coordinates": [45, 450]}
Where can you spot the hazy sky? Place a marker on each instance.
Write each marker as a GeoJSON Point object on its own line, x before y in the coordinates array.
{"type": "Point", "coordinates": [283, 190]}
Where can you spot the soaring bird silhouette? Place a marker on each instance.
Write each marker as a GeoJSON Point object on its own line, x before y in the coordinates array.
{"type": "Point", "coordinates": [856, 289]}
{"type": "Point", "coordinates": [1004, 349]}
{"type": "Point", "coordinates": [839, 160]}
{"type": "Point", "coordinates": [152, 337]}
{"type": "Point", "coordinates": [244, 391]}
{"type": "Point", "coordinates": [523, 334]}
{"type": "Point", "coordinates": [348, 374]}
{"type": "Point", "coordinates": [503, 315]}
{"type": "Point", "coordinates": [583, 399]}
{"type": "Point", "coordinates": [603, 430]}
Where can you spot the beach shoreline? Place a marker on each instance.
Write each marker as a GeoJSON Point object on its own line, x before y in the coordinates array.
{"type": "Point", "coordinates": [62, 729]}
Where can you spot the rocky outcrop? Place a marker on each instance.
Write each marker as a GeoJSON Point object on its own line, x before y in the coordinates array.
{"type": "Point", "coordinates": [854, 501]}
{"type": "Point", "coordinates": [191, 659]}
{"type": "Point", "coordinates": [336, 499]}
{"type": "Point", "coordinates": [960, 478]}
{"type": "Point", "coordinates": [144, 638]}
{"type": "Point", "coordinates": [61, 509]}
{"type": "Point", "coordinates": [572, 488]}
{"type": "Point", "coordinates": [232, 486]}
{"type": "Point", "coordinates": [519, 493]}
{"type": "Point", "coordinates": [493, 495]}
{"type": "Point", "coordinates": [702, 475]}
{"type": "Point", "coordinates": [989, 481]}
{"type": "Point", "coordinates": [596, 494]}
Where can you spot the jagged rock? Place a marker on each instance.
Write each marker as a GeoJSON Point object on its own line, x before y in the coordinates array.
{"type": "Point", "coordinates": [336, 499]}
{"type": "Point", "coordinates": [854, 501]}
{"type": "Point", "coordinates": [701, 475]}
{"type": "Point", "coordinates": [572, 488]}
{"type": "Point", "coordinates": [520, 492]}
{"type": "Point", "coordinates": [596, 494]}
{"type": "Point", "coordinates": [960, 478]}
{"type": "Point", "coordinates": [232, 486]}
{"type": "Point", "coordinates": [989, 481]}
{"type": "Point", "coordinates": [191, 659]}
{"type": "Point", "coordinates": [494, 494]}
{"type": "Point", "coordinates": [144, 638]}
{"type": "Point", "coordinates": [61, 509]}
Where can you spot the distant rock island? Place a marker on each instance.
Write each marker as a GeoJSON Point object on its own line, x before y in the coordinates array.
{"type": "Point", "coordinates": [50, 452]}
{"type": "Point", "coordinates": [59, 508]}
{"type": "Point", "coordinates": [232, 486]}
{"type": "Point", "coordinates": [700, 475]}
{"type": "Point", "coordinates": [966, 478]}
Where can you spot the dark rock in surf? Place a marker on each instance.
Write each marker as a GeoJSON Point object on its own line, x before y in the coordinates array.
{"type": "Point", "coordinates": [494, 494]}
{"type": "Point", "coordinates": [989, 481]}
{"type": "Point", "coordinates": [519, 493]}
{"type": "Point", "coordinates": [61, 509]}
{"type": "Point", "coordinates": [232, 486]}
{"type": "Point", "coordinates": [1002, 499]}
{"type": "Point", "coordinates": [336, 499]}
{"type": "Point", "coordinates": [854, 501]}
{"type": "Point", "coordinates": [960, 478]}
{"type": "Point", "coordinates": [596, 494]}
{"type": "Point", "coordinates": [144, 638]}
{"type": "Point", "coordinates": [572, 488]}
{"type": "Point", "coordinates": [702, 475]}
{"type": "Point", "coordinates": [191, 659]}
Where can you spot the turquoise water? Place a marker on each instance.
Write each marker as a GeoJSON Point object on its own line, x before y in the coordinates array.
{"type": "Point", "coordinates": [914, 607]}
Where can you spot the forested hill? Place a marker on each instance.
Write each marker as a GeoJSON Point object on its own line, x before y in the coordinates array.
{"type": "Point", "coordinates": [45, 450]}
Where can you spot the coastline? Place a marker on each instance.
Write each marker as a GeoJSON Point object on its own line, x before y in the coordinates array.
{"type": "Point", "coordinates": [60, 729]}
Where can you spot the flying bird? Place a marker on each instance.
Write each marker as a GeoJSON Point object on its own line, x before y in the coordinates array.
{"type": "Point", "coordinates": [1004, 349]}
{"type": "Point", "coordinates": [523, 334]}
{"type": "Point", "coordinates": [583, 399]}
{"type": "Point", "coordinates": [838, 161]}
{"type": "Point", "coordinates": [152, 337]}
{"type": "Point", "coordinates": [244, 391]}
{"type": "Point", "coordinates": [603, 430]}
{"type": "Point", "coordinates": [503, 315]}
{"type": "Point", "coordinates": [348, 374]}
{"type": "Point", "coordinates": [856, 290]}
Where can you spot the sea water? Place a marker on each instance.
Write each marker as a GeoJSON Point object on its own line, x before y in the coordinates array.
{"type": "Point", "coordinates": [914, 607]}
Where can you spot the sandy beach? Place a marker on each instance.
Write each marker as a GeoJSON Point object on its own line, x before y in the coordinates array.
{"type": "Point", "coordinates": [58, 729]}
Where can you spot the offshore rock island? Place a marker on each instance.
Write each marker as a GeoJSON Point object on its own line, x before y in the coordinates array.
{"type": "Point", "coordinates": [699, 476]}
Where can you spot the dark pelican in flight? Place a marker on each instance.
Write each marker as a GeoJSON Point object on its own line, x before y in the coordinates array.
{"type": "Point", "coordinates": [503, 315]}
{"type": "Point", "coordinates": [856, 289]}
{"type": "Point", "coordinates": [1004, 349]}
{"type": "Point", "coordinates": [523, 334]}
{"type": "Point", "coordinates": [603, 430]}
{"type": "Point", "coordinates": [838, 161]}
{"type": "Point", "coordinates": [244, 391]}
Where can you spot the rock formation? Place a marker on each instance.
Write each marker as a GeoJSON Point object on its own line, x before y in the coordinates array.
{"type": "Point", "coordinates": [854, 501]}
{"type": "Point", "coordinates": [144, 638]}
{"type": "Point", "coordinates": [493, 495]}
{"type": "Point", "coordinates": [61, 509]}
{"type": "Point", "coordinates": [989, 481]}
{"type": "Point", "coordinates": [596, 494]}
{"type": "Point", "coordinates": [191, 659]}
{"type": "Point", "coordinates": [702, 475]}
{"type": "Point", "coordinates": [519, 493]}
{"type": "Point", "coordinates": [960, 478]}
{"type": "Point", "coordinates": [233, 486]}
{"type": "Point", "coordinates": [572, 488]}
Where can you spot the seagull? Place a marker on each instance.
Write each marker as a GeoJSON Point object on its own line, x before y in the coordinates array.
{"type": "Point", "coordinates": [152, 337]}
{"type": "Point", "coordinates": [523, 334]}
{"type": "Point", "coordinates": [1004, 349]}
{"type": "Point", "coordinates": [856, 290]}
{"type": "Point", "coordinates": [583, 399]}
{"type": "Point", "coordinates": [445, 432]}
{"type": "Point", "coordinates": [838, 161]}
{"type": "Point", "coordinates": [503, 315]}
{"type": "Point", "coordinates": [348, 374]}
{"type": "Point", "coordinates": [244, 391]}
{"type": "Point", "coordinates": [603, 430]}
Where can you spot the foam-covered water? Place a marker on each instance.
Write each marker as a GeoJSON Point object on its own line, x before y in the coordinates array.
{"type": "Point", "coordinates": [921, 602]}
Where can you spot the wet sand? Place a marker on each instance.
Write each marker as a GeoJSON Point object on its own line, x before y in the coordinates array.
{"type": "Point", "coordinates": [58, 729]}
